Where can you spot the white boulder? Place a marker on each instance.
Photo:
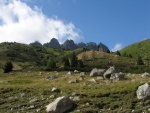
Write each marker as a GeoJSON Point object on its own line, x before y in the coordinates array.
{"type": "Point", "coordinates": [143, 91]}
{"type": "Point", "coordinates": [97, 72]}
{"type": "Point", "coordinates": [60, 105]}
{"type": "Point", "coordinates": [145, 75]}
{"type": "Point", "coordinates": [108, 73]}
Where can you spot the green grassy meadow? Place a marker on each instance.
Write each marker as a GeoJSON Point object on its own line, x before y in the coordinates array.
{"type": "Point", "coordinates": [30, 92]}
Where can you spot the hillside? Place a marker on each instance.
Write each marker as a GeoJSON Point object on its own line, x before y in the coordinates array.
{"type": "Point", "coordinates": [29, 56]}
{"type": "Point", "coordinates": [138, 49]}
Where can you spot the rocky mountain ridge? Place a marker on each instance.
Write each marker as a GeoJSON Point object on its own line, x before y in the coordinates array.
{"type": "Point", "coordinates": [71, 45]}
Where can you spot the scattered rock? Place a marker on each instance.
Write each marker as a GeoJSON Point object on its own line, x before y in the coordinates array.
{"type": "Point", "coordinates": [60, 105]}
{"type": "Point", "coordinates": [80, 78]}
{"type": "Point", "coordinates": [40, 73]}
{"type": "Point", "coordinates": [31, 107]}
{"type": "Point", "coordinates": [69, 73]}
{"type": "Point", "coordinates": [38, 110]}
{"type": "Point", "coordinates": [23, 95]}
{"type": "Point", "coordinates": [143, 91]}
{"type": "Point", "coordinates": [97, 72]}
{"type": "Point", "coordinates": [54, 89]}
{"type": "Point", "coordinates": [33, 100]}
{"type": "Point", "coordinates": [100, 78]}
{"type": "Point", "coordinates": [76, 98]}
{"type": "Point", "coordinates": [87, 104]}
{"type": "Point", "coordinates": [52, 97]}
{"type": "Point", "coordinates": [93, 81]}
{"type": "Point", "coordinates": [50, 77]}
{"type": "Point", "coordinates": [83, 73]}
{"type": "Point", "coordinates": [145, 75]}
{"type": "Point", "coordinates": [108, 73]}
{"type": "Point", "coordinates": [117, 76]}
{"type": "Point", "coordinates": [76, 71]}
{"type": "Point", "coordinates": [73, 81]}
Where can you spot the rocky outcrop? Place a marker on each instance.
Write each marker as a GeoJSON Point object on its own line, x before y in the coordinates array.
{"type": "Point", "coordinates": [143, 91]}
{"type": "Point", "coordinates": [36, 43]}
{"type": "Point", "coordinates": [97, 72]}
{"type": "Point", "coordinates": [60, 105]}
{"type": "Point", "coordinates": [81, 45]}
{"type": "Point", "coordinates": [145, 75]}
{"type": "Point", "coordinates": [53, 44]}
{"type": "Point", "coordinates": [108, 73]}
{"type": "Point", "coordinates": [103, 47]}
{"type": "Point", "coordinates": [69, 44]}
{"type": "Point", "coordinates": [117, 76]}
{"type": "Point", "coordinates": [92, 46]}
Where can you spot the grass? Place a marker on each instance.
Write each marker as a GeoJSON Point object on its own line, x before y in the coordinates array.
{"type": "Point", "coordinates": [109, 97]}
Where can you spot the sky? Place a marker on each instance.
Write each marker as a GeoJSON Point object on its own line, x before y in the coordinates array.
{"type": "Point", "coordinates": [115, 23]}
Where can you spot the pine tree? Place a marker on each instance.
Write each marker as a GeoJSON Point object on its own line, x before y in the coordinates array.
{"type": "Point", "coordinates": [8, 67]}
{"type": "Point", "coordinates": [73, 60]}
{"type": "Point", "coordinates": [66, 62]}
{"type": "Point", "coordinates": [140, 61]}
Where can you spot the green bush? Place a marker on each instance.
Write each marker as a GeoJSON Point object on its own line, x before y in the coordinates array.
{"type": "Point", "coordinates": [8, 67]}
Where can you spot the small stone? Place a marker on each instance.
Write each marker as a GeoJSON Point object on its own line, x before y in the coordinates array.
{"type": "Point", "coordinates": [76, 71]}
{"type": "Point", "coordinates": [23, 95]}
{"type": "Point", "coordinates": [40, 73]}
{"type": "Point", "coordinates": [93, 81]}
{"type": "Point", "coordinates": [33, 100]}
{"type": "Point", "coordinates": [87, 104]}
{"type": "Point", "coordinates": [73, 81]}
{"type": "Point", "coordinates": [31, 107]}
{"type": "Point", "coordinates": [38, 110]}
{"type": "Point", "coordinates": [54, 89]}
{"type": "Point", "coordinates": [52, 96]}
{"type": "Point", "coordinates": [69, 73]}
{"type": "Point", "coordinates": [100, 78]}
{"type": "Point", "coordinates": [83, 73]}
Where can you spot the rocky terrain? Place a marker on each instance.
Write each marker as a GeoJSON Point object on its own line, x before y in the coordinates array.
{"type": "Point", "coordinates": [74, 92]}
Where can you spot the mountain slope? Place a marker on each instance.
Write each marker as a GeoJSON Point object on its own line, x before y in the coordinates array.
{"type": "Point", "coordinates": [138, 49]}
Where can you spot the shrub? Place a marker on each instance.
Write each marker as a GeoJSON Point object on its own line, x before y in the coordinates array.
{"type": "Point", "coordinates": [51, 64]}
{"type": "Point", "coordinates": [8, 67]}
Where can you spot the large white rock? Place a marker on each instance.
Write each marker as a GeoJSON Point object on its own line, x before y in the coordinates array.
{"type": "Point", "coordinates": [143, 91]}
{"type": "Point", "coordinates": [145, 75]}
{"type": "Point", "coordinates": [97, 72]}
{"type": "Point", "coordinates": [60, 105]}
{"type": "Point", "coordinates": [108, 73]}
{"type": "Point", "coordinates": [117, 76]}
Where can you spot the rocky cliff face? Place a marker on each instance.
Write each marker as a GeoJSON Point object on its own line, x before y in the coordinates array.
{"type": "Point", "coordinates": [53, 44]}
{"type": "Point", "coordinates": [81, 45]}
{"type": "Point", "coordinates": [69, 44]}
{"type": "Point", "coordinates": [103, 47]}
{"type": "Point", "coordinates": [91, 46]}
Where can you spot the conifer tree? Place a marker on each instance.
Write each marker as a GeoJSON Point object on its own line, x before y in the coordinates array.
{"type": "Point", "coordinates": [73, 60]}
{"type": "Point", "coordinates": [8, 67]}
{"type": "Point", "coordinates": [140, 61]}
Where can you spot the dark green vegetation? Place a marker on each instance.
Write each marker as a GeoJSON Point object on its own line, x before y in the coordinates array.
{"type": "Point", "coordinates": [8, 67]}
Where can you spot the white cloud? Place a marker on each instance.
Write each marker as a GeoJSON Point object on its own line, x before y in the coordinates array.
{"type": "Point", "coordinates": [21, 23]}
{"type": "Point", "coordinates": [117, 47]}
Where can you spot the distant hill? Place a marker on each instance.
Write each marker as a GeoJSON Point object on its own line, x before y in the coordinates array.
{"type": "Point", "coordinates": [138, 49]}
{"type": "Point", "coordinates": [30, 56]}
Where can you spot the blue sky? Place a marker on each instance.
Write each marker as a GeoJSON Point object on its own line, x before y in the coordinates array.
{"type": "Point", "coordinates": [116, 23]}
